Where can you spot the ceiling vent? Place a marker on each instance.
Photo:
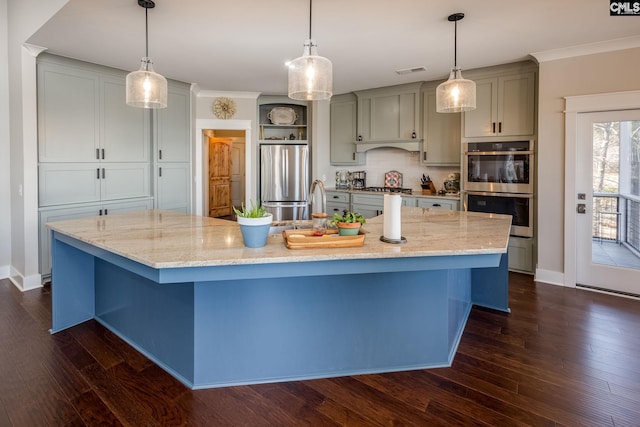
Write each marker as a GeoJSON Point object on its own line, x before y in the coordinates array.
{"type": "Point", "coordinates": [411, 70]}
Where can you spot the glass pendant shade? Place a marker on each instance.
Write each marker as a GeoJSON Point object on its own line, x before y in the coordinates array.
{"type": "Point", "coordinates": [310, 76]}
{"type": "Point", "coordinates": [146, 88]}
{"type": "Point", "coordinates": [456, 94]}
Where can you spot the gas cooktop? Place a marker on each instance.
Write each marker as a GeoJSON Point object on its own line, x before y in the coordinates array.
{"type": "Point", "coordinates": [387, 190]}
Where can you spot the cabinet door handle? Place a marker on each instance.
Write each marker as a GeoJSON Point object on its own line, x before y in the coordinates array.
{"type": "Point", "coordinates": [159, 171]}
{"type": "Point", "coordinates": [97, 154]}
{"type": "Point", "coordinates": [103, 173]}
{"type": "Point", "coordinates": [105, 212]}
{"type": "Point", "coordinates": [437, 205]}
{"type": "Point", "coordinates": [500, 127]}
{"type": "Point", "coordinates": [354, 156]}
{"type": "Point", "coordinates": [160, 154]}
{"type": "Point", "coordinates": [336, 197]}
{"type": "Point", "coordinates": [103, 154]}
{"type": "Point", "coordinates": [494, 127]}
{"type": "Point", "coordinates": [424, 155]}
{"type": "Point", "coordinates": [100, 212]}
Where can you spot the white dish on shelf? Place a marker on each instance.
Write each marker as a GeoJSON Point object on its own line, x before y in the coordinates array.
{"type": "Point", "coordinates": [282, 116]}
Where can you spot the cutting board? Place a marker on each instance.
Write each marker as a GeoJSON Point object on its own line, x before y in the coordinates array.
{"type": "Point", "coordinates": [304, 239]}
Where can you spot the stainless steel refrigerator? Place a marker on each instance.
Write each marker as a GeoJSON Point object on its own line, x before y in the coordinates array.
{"type": "Point", "coordinates": [284, 180]}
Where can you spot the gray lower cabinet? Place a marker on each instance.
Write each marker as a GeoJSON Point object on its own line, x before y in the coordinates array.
{"type": "Point", "coordinates": [521, 254]}
{"type": "Point", "coordinates": [367, 205]}
{"type": "Point", "coordinates": [337, 202]}
{"type": "Point", "coordinates": [173, 190]}
{"type": "Point", "coordinates": [66, 183]}
{"type": "Point", "coordinates": [79, 211]}
{"type": "Point", "coordinates": [409, 201]}
{"type": "Point", "coordinates": [438, 203]}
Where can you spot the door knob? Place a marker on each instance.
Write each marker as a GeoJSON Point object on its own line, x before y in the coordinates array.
{"type": "Point", "coordinates": [581, 208]}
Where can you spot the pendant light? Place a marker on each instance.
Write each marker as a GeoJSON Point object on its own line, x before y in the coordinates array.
{"type": "Point", "coordinates": [310, 76]}
{"type": "Point", "coordinates": [146, 88]}
{"type": "Point", "coordinates": [456, 94]}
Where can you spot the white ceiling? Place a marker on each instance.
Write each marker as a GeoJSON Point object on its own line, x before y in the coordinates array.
{"type": "Point", "coordinates": [242, 45]}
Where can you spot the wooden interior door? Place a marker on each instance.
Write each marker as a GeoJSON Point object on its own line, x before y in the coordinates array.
{"type": "Point", "coordinates": [220, 177]}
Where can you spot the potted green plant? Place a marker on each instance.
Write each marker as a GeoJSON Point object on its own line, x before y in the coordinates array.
{"type": "Point", "coordinates": [348, 223]}
{"type": "Point", "coordinates": [254, 224]}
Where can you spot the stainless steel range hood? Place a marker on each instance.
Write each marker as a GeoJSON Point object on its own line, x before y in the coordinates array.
{"type": "Point", "coordinates": [407, 144]}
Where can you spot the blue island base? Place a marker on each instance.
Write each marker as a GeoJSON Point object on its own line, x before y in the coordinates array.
{"type": "Point", "coordinates": [225, 331]}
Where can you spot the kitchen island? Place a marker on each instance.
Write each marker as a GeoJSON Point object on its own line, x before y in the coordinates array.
{"type": "Point", "coordinates": [184, 291]}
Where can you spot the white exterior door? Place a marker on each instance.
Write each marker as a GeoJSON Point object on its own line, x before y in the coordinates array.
{"type": "Point", "coordinates": [607, 176]}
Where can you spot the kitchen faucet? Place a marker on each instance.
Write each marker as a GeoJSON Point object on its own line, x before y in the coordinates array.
{"type": "Point", "coordinates": [318, 183]}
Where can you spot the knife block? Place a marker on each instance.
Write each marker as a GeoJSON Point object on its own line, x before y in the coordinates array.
{"type": "Point", "coordinates": [428, 188]}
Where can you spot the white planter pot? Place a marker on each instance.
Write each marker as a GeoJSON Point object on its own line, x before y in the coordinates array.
{"type": "Point", "coordinates": [255, 230]}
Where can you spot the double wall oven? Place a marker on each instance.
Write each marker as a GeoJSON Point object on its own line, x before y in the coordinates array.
{"type": "Point", "coordinates": [498, 178]}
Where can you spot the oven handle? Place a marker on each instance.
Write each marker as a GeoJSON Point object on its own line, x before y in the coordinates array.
{"type": "Point", "coordinates": [491, 193]}
{"type": "Point", "coordinates": [496, 153]}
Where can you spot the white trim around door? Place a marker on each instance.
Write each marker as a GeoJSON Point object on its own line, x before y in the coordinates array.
{"type": "Point", "coordinates": [575, 105]}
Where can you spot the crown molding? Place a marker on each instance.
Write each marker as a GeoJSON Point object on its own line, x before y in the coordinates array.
{"type": "Point", "coordinates": [34, 50]}
{"type": "Point", "coordinates": [587, 49]}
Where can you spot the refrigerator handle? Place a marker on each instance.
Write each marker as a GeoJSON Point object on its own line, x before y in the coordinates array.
{"type": "Point", "coordinates": [285, 175]}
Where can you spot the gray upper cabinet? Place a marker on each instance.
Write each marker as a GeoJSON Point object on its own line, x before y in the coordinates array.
{"type": "Point", "coordinates": [173, 150]}
{"type": "Point", "coordinates": [389, 114]}
{"type": "Point", "coordinates": [68, 114]}
{"type": "Point", "coordinates": [505, 106]}
{"type": "Point", "coordinates": [124, 130]}
{"type": "Point", "coordinates": [343, 131]}
{"type": "Point", "coordinates": [441, 145]}
{"type": "Point", "coordinates": [95, 152]}
{"type": "Point", "coordinates": [173, 126]}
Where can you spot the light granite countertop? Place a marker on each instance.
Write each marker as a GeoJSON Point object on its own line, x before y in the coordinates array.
{"type": "Point", "coordinates": [166, 239]}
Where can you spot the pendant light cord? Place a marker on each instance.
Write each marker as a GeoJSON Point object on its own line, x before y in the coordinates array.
{"type": "Point", "coordinates": [455, 44]}
{"type": "Point", "coordinates": [310, 9]}
{"type": "Point", "coordinates": [146, 32]}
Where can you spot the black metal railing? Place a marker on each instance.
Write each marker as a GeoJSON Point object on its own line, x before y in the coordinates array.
{"type": "Point", "coordinates": [606, 216]}
{"type": "Point", "coordinates": [616, 218]}
{"type": "Point", "coordinates": [632, 223]}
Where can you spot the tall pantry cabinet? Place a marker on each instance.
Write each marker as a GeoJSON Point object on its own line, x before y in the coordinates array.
{"type": "Point", "coordinates": [98, 156]}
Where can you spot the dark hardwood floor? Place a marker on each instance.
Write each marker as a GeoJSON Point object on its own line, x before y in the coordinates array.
{"type": "Point", "coordinates": [562, 357]}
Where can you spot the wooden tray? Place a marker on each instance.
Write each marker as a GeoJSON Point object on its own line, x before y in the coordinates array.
{"type": "Point", "coordinates": [304, 239]}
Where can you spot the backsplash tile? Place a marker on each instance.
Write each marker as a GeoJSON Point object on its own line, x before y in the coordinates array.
{"type": "Point", "coordinates": [382, 160]}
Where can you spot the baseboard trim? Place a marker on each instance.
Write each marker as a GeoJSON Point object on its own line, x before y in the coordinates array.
{"type": "Point", "coordinates": [550, 277]}
{"type": "Point", "coordinates": [25, 283]}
